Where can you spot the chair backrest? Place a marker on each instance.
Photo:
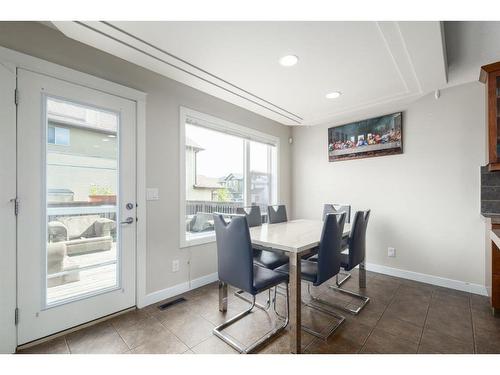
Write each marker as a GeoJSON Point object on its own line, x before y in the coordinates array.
{"type": "Point", "coordinates": [336, 208]}
{"type": "Point", "coordinates": [234, 252]}
{"type": "Point", "coordinates": [330, 247]}
{"type": "Point", "coordinates": [276, 214]}
{"type": "Point", "coordinates": [357, 238]}
{"type": "Point", "coordinates": [254, 218]}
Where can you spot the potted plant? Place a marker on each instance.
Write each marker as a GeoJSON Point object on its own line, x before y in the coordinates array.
{"type": "Point", "coordinates": [101, 194]}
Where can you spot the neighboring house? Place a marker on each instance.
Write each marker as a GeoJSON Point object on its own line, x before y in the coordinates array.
{"type": "Point", "coordinates": [260, 193]}
{"type": "Point", "coordinates": [206, 187]}
{"type": "Point", "coordinates": [233, 182]}
{"type": "Point", "coordinates": [198, 187]}
{"type": "Point", "coordinates": [81, 151]}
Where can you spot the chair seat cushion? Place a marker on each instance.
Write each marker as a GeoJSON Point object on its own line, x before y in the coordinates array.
{"type": "Point", "coordinates": [313, 253]}
{"type": "Point", "coordinates": [264, 278]}
{"type": "Point", "coordinates": [269, 259]}
{"type": "Point", "coordinates": [309, 270]}
{"type": "Point", "coordinates": [345, 243]}
{"type": "Point", "coordinates": [344, 260]}
{"type": "Point", "coordinates": [314, 258]}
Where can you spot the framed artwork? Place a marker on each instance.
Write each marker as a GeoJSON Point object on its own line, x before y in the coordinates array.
{"type": "Point", "coordinates": [377, 136]}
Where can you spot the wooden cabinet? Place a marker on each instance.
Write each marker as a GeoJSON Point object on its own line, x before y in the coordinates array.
{"type": "Point", "coordinates": [495, 268]}
{"type": "Point", "coordinates": [490, 75]}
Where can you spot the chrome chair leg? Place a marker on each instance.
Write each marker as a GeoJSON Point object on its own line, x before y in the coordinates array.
{"type": "Point", "coordinates": [285, 318]}
{"type": "Point", "coordinates": [240, 295]}
{"type": "Point", "coordinates": [346, 277]}
{"type": "Point", "coordinates": [362, 284]}
{"type": "Point", "coordinates": [263, 339]}
{"type": "Point", "coordinates": [317, 305]}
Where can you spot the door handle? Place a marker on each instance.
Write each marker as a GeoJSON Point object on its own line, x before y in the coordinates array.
{"type": "Point", "coordinates": [128, 220]}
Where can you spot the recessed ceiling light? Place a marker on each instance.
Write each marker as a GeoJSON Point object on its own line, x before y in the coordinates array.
{"type": "Point", "coordinates": [333, 95]}
{"type": "Point", "coordinates": [289, 60]}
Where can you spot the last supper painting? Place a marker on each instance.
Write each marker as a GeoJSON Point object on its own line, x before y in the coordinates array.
{"type": "Point", "coordinates": [377, 136]}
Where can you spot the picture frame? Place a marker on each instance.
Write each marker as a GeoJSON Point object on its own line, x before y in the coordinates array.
{"type": "Point", "coordinates": [377, 136]}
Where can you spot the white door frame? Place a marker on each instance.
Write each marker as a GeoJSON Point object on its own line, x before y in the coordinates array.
{"type": "Point", "coordinates": [21, 60]}
{"type": "Point", "coordinates": [8, 152]}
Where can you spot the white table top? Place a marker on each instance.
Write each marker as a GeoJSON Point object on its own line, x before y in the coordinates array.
{"type": "Point", "coordinates": [292, 236]}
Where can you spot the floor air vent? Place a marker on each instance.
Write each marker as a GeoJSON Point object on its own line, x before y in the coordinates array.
{"type": "Point", "coordinates": [171, 303]}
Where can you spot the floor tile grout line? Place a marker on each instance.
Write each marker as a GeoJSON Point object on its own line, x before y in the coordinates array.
{"type": "Point", "coordinates": [121, 337]}
{"type": "Point", "coordinates": [67, 345]}
{"type": "Point", "coordinates": [195, 314]}
{"type": "Point", "coordinates": [172, 332]}
{"type": "Point", "coordinates": [380, 317]}
{"type": "Point", "coordinates": [425, 320]}
{"type": "Point", "coordinates": [201, 342]}
{"type": "Point", "coordinates": [473, 326]}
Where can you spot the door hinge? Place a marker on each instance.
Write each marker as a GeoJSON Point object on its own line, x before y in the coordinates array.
{"type": "Point", "coordinates": [16, 316]}
{"type": "Point", "coordinates": [16, 96]}
{"type": "Point", "coordinates": [16, 205]}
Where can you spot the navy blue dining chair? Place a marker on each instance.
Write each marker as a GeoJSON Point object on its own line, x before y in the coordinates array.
{"type": "Point", "coordinates": [261, 257]}
{"type": "Point", "coordinates": [335, 208]}
{"type": "Point", "coordinates": [236, 267]}
{"type": "Point", "coordinates": [253, 214]}
{"type": "Point", "coordinates": [276, 214]}
{"type": "Point", "coordinates": [354, 256]}
{"type": "Point", "coordinates": [316, 273]}
{"type": "Point", "coordinates": [264, 258]}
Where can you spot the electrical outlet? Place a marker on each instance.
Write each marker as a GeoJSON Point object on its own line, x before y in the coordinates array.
{"type": "Point", "coordinates": [175, 266]}
{"type": "Point", "coordinates": [391, 252]}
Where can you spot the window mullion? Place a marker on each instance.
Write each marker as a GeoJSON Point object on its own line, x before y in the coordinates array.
{"type": "Point", "coordinates": [246, 173]}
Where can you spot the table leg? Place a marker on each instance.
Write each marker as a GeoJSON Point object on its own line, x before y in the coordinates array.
{"type": "Point", "coordinates": [295, 303]}
{"type": "Point", "coordinates": [222, 296]}
{"type": "Point", "coordinates": [362, 275]}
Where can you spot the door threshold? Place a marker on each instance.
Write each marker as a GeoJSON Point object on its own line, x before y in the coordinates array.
{"type": "Point", "coordinates": [74, 329]}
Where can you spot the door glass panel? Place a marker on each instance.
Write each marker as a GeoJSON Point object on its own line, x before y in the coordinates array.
{"type": "Point", "coordinates": [81, 196]}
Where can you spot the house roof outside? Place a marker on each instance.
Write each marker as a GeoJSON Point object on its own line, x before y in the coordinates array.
{"type": "Point", "coordinates": [192, 144]}
{"type": "Point", "coordinates": [231, 176]}
{"type": "Point", "coordinates": [204, 182]}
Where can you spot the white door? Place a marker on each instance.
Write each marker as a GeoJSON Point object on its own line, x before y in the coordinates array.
{"type": "Point", "coordinates": [76, 190]}
{"type": "Point", "coordinates": [7, 215]}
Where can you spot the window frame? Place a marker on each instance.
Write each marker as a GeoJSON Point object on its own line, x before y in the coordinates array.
{"type": "Point", "coordinates": [56, 128]}
{"type": "Point", "coordinates": [220, 125]}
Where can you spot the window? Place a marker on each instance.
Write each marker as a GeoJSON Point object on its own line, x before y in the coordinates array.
{"type": "Point", "coordinates": [58, 136]}
{"type": "Point", "coordinates": [225, 166]}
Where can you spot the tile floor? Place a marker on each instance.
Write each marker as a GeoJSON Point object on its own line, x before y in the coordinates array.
{"type": "Point", "coordinates": [402, 317]}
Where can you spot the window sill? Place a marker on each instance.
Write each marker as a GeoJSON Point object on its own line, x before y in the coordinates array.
{"type": "Point", "coordinates": [197, 239]}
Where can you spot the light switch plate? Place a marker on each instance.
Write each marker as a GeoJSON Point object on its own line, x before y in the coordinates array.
{"type": "Point", "coordinates": [391, 252]}
{"type": "Point", "coordinates": [152, 194]}
{"type": "Point", "coordinates": [175, 266]}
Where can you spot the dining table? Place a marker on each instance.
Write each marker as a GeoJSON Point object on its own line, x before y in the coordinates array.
{"type": "Point", "coordinates": [294, 238]}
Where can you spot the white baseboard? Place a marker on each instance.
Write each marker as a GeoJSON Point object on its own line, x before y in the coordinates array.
{"type": "Point", "coordinates": [175, 290]}
{"type": "Point", "coordinates": [429, 279]}
{"type": "Point", "coordinates": [204, 280]}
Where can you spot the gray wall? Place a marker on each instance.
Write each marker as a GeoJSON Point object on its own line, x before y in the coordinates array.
{"type": "Point", "coordinates": [162, 116]}
{"type": "Point", "coordinates": [425, 202]}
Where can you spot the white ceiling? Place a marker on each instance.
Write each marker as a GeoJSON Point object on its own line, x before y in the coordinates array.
{"type": "Point", "coordinates": [469, 45]}
{"type": "Point", "coordinates": [376, 65]}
